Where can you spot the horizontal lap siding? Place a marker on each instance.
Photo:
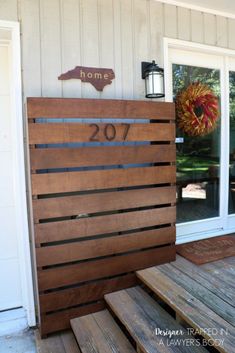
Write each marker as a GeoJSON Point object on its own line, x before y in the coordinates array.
{"type": "Point", "coordinates": [94, 228]}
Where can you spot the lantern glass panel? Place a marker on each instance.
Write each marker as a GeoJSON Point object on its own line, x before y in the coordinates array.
{"type": "Point", "coordinates": [154, 84]}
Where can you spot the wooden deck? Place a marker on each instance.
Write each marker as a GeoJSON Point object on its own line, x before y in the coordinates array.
{"type": "Point", "coordinates": [177, 296]}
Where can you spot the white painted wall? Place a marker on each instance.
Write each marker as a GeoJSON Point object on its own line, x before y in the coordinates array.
{"type": "Point", "coordinates": [59, 34]}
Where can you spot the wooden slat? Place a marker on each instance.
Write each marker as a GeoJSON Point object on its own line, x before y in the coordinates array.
{"type": "Point", "coordinates": [102, 202]}
{"type": "Point", "coordinates": [112, 266]}
{"type": "Point", "coordinates": [219, 306]}
{"type": "Point", "coordinates": [63, 342]}
{"type": "Point", "coordinates": [84, 294]}
{"type": "Point", "coordinates": [193, 311]}
{"type": "Point", "coordinates": [85, 227]}
{"type": "Point", "coordinates": [75, 132]}
{"type": "Point", "coordinates": [94, 108]}
{"type": "Point", "coordinates": [101, 179]}
{"type": "Point", "coordinates": [59, 254]}
{"type": "Point", "coordinates": [141, 316]}
{"type": "Point", "coordinates": [47, 158]}
{"type": "Point", "coordinates": [99, 333]}
{"type": "Point", "coordinates": [61, 320]}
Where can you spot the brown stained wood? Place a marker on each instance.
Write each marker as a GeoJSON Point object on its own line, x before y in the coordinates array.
{"type": "Point", "coordinates": [61, 320]}
{"type": "Point", "coordinates": [220, 307]}
{"type": "Point", "coordinates": [91, 226]}
{"type": "Point", "coordinates": [63, 342]}
{"type": "Point", "coordinates": [98, 108]}
{"type": "Point", "coordinates": [58, 254]}
{"type": "Point", "coordinates": [218, 286]}
{"type": "Point", "coordinates": [75, 132]}
{"type": "Point", "coordinates": [193, 311]}
{"type": "Point", "coordinates": [102, 202]}
{"type": "Point", "coordinates": [46, 158]}
{"type": "Point", "coordinates": [141, 316]}
{"type": "Point", "coordinates": [84, 294]}
{"type": "Point", "coordinates": [99, 333]}
{"type": "Point", "coordinates": [111, 266]}
{"type": "Point", "coordinates": [100, 259]}
{"type": "Point", "coordinates": [101, 179]}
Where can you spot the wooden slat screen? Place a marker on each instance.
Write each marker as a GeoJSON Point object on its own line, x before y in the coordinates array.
{"type": "Point", "coordinates": [103, 198]}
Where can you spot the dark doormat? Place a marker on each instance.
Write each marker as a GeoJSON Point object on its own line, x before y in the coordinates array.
{"type": "Point", "coordinates": [208, 250]}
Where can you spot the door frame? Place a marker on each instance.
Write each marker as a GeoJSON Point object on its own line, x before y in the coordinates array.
{"type": "Point", "coordinates": [19, 166]}
{"type": "Point", "coordinates": [220, 225]}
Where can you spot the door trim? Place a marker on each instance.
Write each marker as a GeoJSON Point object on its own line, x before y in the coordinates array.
{"type": "Point", "coordinates": [19, 166]}
{"type": "Point", "coordinates": [185, 232]}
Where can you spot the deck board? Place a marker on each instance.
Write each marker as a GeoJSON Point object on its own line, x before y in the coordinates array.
{"type": "Point", "coordinates": [189, 308]}
{"type": "Point", "coordinates": [218, 286]}
{"type": "Point", "coordinates": [141, 315]}
{"type": "Point", "coordinates": [218, 305]}
{"type": "Point", "coordinates": [99, 333]}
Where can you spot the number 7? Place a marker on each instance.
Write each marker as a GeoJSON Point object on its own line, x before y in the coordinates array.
{"type": "Point", "coordinates": [125, 133]}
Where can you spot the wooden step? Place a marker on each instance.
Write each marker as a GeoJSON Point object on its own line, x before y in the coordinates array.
{"type": "Point", "coordinates": [187, 306]}
{"type": "Point", "coordinates": [99, 333]}
{"type": "Point", "coordinates": [63, 342]}
{"type": "Point", "coordinates": [142, 316]}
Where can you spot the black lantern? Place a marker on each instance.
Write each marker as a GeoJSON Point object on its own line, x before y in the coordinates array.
{"type": "Point", "coordinates": [154, 80]}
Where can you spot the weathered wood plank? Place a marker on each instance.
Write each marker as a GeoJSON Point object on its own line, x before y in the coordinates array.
{"type": "Point", "coordinates": [63, 342]}
{"type": "Point", "coordinates": [99, 333]}
{"type": "Point", "coordinates": [91, 226]}
{"type": "Point", "coordinates": [141, 316]}
{"type": "Point", "coordinates": [112, 266]}
{"type": "Point", "coordinates": [193, 311]}
{"type": "Point", "coordinates": [102, 202]}
{"type": "Point", "coordinates": [98, 108]}
{"type": "Point", "coordinates": [222, 269]}
{"type": "Point", "coordinates": [65, 253]}
{"type": "Point", "coordinates": [84, 294]}
{"type": "Point", "coordinates": [69, 342]}
{"type": "Point", "coordinates": [47, 158]}
{"type": "Point", "coordinates": [101, 179]}
{"type": "Point", "coordinates": [220, 307]}
{"type": "Point", "coordinates": [217, 286]}
{"type": "Point", "coordinates": [76, 132]}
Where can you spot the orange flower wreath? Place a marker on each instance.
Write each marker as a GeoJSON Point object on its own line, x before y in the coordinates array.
{"type": "Point", "coordinates": [197, 110]}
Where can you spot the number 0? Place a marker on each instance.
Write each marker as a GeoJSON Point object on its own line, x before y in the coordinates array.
{"type": "Point", "coordinates": [110, 132]}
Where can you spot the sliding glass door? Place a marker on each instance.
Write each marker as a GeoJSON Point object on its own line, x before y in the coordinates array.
{"type": "Point", "coordinates": [202, 191]}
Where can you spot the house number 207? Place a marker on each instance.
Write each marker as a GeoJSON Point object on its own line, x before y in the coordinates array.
{"type": "Point", "coordinates": [109, 132]}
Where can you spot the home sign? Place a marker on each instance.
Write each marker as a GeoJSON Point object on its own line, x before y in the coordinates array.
{"type": "Point", "coordinates": [98, 77]}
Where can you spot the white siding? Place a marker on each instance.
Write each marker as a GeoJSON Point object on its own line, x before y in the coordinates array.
{"type": "Point", "coordinates": [57, 35]}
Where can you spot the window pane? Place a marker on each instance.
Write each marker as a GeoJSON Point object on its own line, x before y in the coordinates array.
{"type": "Point", "coordinates": [198, 158]}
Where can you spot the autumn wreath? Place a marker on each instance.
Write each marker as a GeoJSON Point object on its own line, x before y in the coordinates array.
{"type": "Point", "coordinates": [197, 110]}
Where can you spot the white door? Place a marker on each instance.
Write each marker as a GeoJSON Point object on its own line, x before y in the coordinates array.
{"type": "Point", "coordinates": [10, 277]}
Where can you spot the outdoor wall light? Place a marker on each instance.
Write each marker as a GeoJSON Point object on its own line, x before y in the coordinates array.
{"type": "Point", "coordinates": [154, 80]}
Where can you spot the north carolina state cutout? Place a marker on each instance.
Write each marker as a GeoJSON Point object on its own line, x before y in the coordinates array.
{"type": "Point", "coordinates": [98, 77]}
